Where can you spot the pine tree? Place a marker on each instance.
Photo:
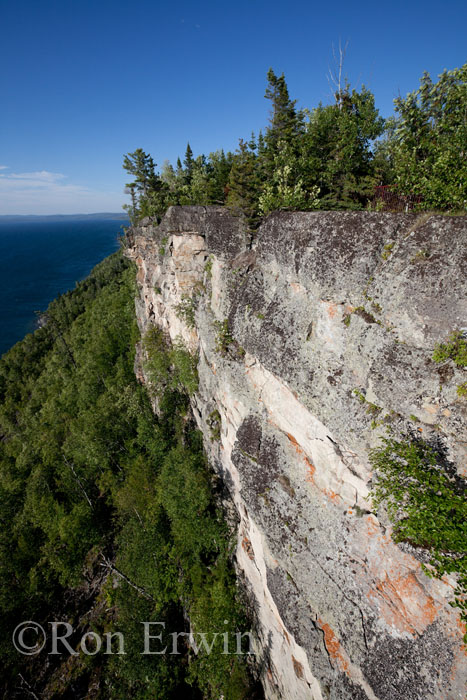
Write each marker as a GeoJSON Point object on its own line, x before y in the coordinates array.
{"type": "Point", "coordinates": [243, 184]}
{"type": "Point", "coordinates": [142, 166]}
{"type": "Point", "coordinates": [286, 124]}
{"type": "Point", "coordinates": [337, 149]}
{"type": "Point", "coordinates": [149, 192]}
{"type": "Point", "coordinates": [188, 163]}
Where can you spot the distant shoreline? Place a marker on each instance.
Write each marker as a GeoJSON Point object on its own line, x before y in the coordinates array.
{"type": "Point", "coordinates": [109, 216]}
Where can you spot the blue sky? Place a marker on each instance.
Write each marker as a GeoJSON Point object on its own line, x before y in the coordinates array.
{"type": "Point", "coordinates": [84, 82]}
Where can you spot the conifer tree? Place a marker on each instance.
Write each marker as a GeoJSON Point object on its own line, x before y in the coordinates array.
{"type": "Point", "coordinates": [286, 123]}
{"type": "Point", "coordinates": [243, 184]}
{"type": "Point", "coordinates": [188, 163]}
{"type": "Point", "coordinates": [429, 146]}
{"type": "Point", "coordinates": [337, 149]}
{"type": "Point", "coordinates": [142, 166]}
{"type": "Point", "coordinates": [149, 192]}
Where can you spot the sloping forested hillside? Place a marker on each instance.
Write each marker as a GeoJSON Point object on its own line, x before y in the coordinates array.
{"type": "Point", "coordinates": [107, 514]}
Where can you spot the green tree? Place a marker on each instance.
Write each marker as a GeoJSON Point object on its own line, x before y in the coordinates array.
{"type": "Point", "coordinates": [188, 162]}
{"type": "Point", "coordinates": [286, 123]}
{"type": "Point", "coordinates": [149, 193]}
{"type": "Point", "coordinates": [285, 190]}
{"type": "Point", "coordinates": [243, 184]}
{"type": "Point", "coordinates": [337, 149]}
{"type": "Point", "coordinates": [430, 141]}
{"type": "Point", "coordinates": [142, 167]}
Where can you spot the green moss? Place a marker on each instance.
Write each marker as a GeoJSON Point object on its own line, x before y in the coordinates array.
{"type": "Point", "coordinates": [360, 395]}
{"type": "Point", "coordinates": [462, 390]}
{"type": "Point", "coordinates": [373, 409]}
{"type": "Point", "coordinates": [387, 251]}
{"type": "Point", "coordinates": [162, 245]}
{"type": "Point", "coordinates": [425, 501]}
{"type": "Point", "coordinates": [420, 256]}
{"type": "Point", "coordinates": [208, 266]}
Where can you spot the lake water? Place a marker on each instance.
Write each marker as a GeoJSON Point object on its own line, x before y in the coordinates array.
{"type": "Point", "coordinates": [40, 259]}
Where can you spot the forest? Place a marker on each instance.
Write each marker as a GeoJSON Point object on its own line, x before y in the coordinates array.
{"type": "Point", "coordinates": [109, 514]}
{"type": "Point", "coordinates": [342, 155]}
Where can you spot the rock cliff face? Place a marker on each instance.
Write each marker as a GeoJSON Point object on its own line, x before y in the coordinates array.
{"type": "Point", "coordinates": [331, 323]}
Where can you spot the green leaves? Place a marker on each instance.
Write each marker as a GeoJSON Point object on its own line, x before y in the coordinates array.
{"type": "Point", "coordinates": [455, 348]}
{"type": "Point", "coordinates": [337, 150]}
{"type": "Point", "coordinates": [429, 150]}
{"type": "Point", "coordinates": [425, 500]}
{"type": "Point", "coordinates": [89, 475]}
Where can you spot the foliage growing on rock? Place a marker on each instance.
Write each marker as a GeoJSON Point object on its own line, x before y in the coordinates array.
{"type": "Point", "coordinates": [426, 503]}
{"type": "Point", "coordinates": [455, 349]}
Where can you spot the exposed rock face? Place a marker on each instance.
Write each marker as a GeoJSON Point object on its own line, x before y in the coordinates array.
{"type": "Point", "coordinates": [334, 317]}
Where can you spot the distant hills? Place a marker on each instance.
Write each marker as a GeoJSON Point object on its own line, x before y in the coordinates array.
{"type": "Point", "coordinates": [119, 216]}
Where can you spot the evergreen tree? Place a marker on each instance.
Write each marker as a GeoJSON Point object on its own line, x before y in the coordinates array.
{"type": "Point", "coordinates": [337, 150]}
{"type": "Point", "coordinates": [220, 165]}
{"type": "Point", "coordinates": [142, 166]}
{"type": "Point", "coordinates": [286, 124]}
{"type": "Point", "coordinates": [243, 184]}
{"type": "Point", "coordinates": [149, 193]}
{"type": "Point", "coordinates": [430, 141]}
{"type": "Point", "coordinates": [188, 163]}
{"type": "Point", "coordinates": [278, 151]}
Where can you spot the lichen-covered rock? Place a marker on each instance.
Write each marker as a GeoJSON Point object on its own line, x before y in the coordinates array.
{"type": "Point", "coordinates": [334, 317]}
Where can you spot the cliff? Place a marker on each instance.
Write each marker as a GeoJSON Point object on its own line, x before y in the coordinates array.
{"type": "Point", "coordinates": [314, 341]}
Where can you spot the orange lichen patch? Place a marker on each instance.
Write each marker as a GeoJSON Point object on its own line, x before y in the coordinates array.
{"type": "Point", "coordinates": [293, 441]}
{"type": "Point", "coordinates": [334, 497]}
{"type": "Point", "coordinates": [248, 548]}
{"type": "Point", "coordinates": [297, 667]}
{"type": "Point", "coordinates": [301, 453]}
{"type": "Point", "coordinates": [403, 604]}
{"type": "Point", "coordinates": [297, 288]}
{"type": "Point", "coordinates": [372, 525]}
{"type": "Point", "coordinates": [334, 648]}
{"type": "Point", "coordinates": [311, 471]}
{"type": "Point", "coordinates": [463, 628]}
{"type": "Point", "coordinates": [332, 309]}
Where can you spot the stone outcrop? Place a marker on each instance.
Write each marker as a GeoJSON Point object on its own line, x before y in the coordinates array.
{"type": "Point", "coordinates": [334, 317]}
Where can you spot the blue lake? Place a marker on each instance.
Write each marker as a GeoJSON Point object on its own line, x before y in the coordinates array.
{"type": "Point", "coordinates": [40, 259]}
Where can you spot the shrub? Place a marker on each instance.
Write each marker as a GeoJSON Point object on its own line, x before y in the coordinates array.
{"type": "Point", "coordinates": [185, 310]}
{"type": "Point", "coordinates": [425, 500]}
{"type": "Point", "coordinates": [169, 366]}
{"type": "Point", "coordinates": [455, 349]}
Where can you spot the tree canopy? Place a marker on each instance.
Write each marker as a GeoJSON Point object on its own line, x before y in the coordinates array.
{"type": "Point", "coordinates": [331, 157]}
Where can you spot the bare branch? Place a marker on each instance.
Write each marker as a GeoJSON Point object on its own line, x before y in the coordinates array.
{"type": "Point", "coordinates": [108, 565]}
{"type": "Point", "coordinates": [335, 74]}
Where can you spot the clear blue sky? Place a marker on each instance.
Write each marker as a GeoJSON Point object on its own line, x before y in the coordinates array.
{"type": "Point", "coordinates": [83, 82]}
